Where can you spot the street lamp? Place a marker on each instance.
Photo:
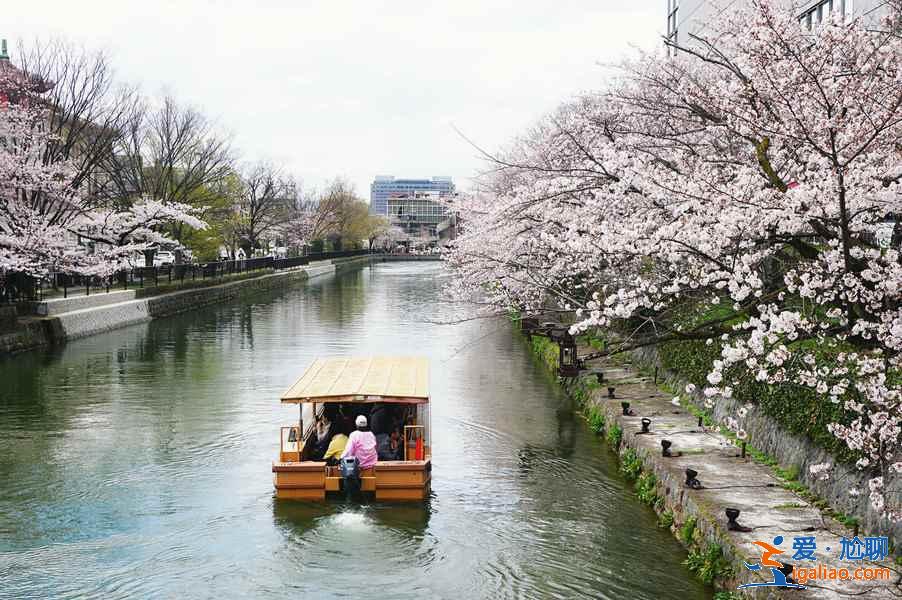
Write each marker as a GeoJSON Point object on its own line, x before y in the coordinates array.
{"type": "Point", "coordinates": [567, 358]}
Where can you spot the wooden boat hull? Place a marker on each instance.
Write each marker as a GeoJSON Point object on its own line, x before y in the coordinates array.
{"type": "Point", "coordinates": [389, 481]}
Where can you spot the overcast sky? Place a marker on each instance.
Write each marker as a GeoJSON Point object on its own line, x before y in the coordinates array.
{"type": "Point", "coordinates": [357, 89]}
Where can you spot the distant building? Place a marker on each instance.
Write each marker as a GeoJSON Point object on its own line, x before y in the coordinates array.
{"type": "Point", "coordinates": [447, 229]}
{"type": "Point", "coordinates": [13, 81]}
{"type": "Point", "coordinates": [690, 17]}
{"type": "Point", "coordinates": [10, 76]}
{"type": "Point", "coordinates": [419, 213]}
{"type": "Point", "coordinates": [385, 186]}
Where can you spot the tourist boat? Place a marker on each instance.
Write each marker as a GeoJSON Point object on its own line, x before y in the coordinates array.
{"type": "Point", "coordinates": [343, 388]}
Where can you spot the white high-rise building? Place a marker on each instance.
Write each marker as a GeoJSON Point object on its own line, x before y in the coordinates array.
{"type": "Point", "coordinates": [384, 186]}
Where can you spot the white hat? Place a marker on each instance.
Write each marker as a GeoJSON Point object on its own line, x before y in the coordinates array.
{"type": "Point", "coordinates": [361, 421]}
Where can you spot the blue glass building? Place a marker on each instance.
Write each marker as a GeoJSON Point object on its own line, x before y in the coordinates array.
{"type": "Point", "coordinates": [383, 187]}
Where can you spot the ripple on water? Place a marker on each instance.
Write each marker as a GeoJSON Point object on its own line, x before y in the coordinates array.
{"type": "Point", "coordinates": [138, 464]}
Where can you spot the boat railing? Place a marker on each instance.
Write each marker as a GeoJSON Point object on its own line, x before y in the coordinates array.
{"type": "Point", "coordinates": [414, 440]}
{"type": "Point", "coordinates": [290, 446]}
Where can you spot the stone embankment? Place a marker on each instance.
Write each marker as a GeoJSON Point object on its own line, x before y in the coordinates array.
{"type": "Point", "coordinates": [57, 320]}
{"type": "Point", "coordinates": [768, 504]}
{"type": "Point", "coordinates": [800, 452]}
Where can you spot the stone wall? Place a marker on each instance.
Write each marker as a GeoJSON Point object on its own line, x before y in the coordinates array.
{"type": "Point", "coordinates": [406, 257]}
{"type": "Point", "coordinates": [344, 264]}
{"type": "Point", "coordinates": [57, 306]}
{"type": "Point", "coordinates": [766, 435]}
{"type": "Point", "coordinates": [36, 332]}
{"type": "Point", "coordinates": [26, 336]}
{"type": "Point", "coordinates": [89, 321]}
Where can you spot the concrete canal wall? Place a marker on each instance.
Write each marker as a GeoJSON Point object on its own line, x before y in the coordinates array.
{"type": "Point", "coordinates": [771, 501]}
{"type": "Point", "coordinates": [57, 320]}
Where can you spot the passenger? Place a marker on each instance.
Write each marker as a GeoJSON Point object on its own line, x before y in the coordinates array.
{"type": "Point", "coordinates": [321, 439]}
{"type": "Point", "coordinates": [382, 419]}
{"type": "Point", "coordinates": [362, 445]}
{"type": "Point", "coordinates": [388, 446]}
{"type": "Point", "coordinates": [336, 448]}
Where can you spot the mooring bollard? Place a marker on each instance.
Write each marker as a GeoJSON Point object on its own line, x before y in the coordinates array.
{"type": "Point", "coordinates": [732, 523]}
{"type": "Point", "coordinates": [692, 479]}
{"type": "Point", "coordinates": [665, 448]}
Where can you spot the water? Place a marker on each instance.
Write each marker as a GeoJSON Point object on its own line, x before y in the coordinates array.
{"type": "Point", "coordinates": [136, 464]}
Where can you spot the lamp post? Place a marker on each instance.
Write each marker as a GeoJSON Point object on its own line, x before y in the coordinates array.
{"type": "Point", "coordinates": [567, 359]}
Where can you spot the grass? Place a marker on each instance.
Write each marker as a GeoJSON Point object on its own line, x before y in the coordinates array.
{"type": "Point", "coordinates": [666, 520]}
{"type": "Point", "coordinates": [709, 563]}
{"type": "Point", "coordinates": [595, 418]}
{"type": "Point", "coordinates": [645, 488]}
{"type": "Point", "coordinates": [687, 531]}
{"type": "Point", "coordinates": [614, 435]}
{"type": "Point", "coordinates": [791, 473]}
{"type": "Point", "coordinates": [547, 351]}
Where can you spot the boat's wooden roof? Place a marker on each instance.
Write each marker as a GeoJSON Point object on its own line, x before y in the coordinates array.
{"type": "Point", "coordinates": [372, 379]}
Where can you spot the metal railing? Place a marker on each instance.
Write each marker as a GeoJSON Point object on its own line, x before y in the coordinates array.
{"type": "Point", "coordinates": [21, 288]}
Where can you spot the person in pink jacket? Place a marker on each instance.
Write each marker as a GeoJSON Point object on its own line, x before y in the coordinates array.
{"type": "Point", "coordinates": [362, 445]}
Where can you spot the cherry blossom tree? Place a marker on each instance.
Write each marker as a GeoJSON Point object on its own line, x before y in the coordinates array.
{"type": "Point", "coordinates": [43, 218]}
{"type": "Point", "coordinates": [386, 236]}
{"type": "Point", "coordinates": [734, 193]}
{"type": "Point", "coordinates": [32, 241]}
{"type": "Point", "coordinates": [119, 235]}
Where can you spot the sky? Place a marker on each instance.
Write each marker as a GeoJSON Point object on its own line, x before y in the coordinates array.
{"type": "Point", "coordinates": [357, 89]}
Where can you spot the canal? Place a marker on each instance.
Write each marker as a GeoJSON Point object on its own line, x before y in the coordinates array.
{"type": "Point", "coordinates": [136, 464]}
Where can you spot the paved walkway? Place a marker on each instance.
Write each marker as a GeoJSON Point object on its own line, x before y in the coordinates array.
{"type": "Point", "coordinates": [728, 480]}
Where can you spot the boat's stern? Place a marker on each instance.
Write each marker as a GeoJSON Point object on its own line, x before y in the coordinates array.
{"type": "Point", "coordinates": [408, 480]}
